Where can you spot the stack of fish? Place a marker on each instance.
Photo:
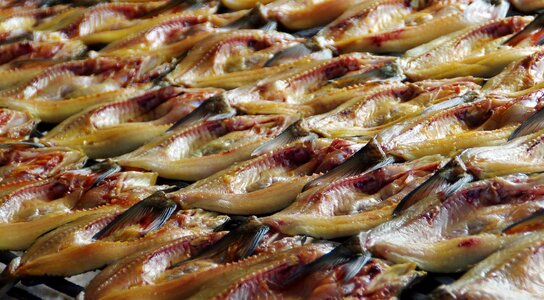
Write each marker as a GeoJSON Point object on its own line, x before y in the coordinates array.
{"type": "Point", "coordinates": [300, 149]}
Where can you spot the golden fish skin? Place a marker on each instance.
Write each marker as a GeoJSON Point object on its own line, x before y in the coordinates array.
{"type": "Point", "coordinates": [130, 122]}
{"type": "Point", "coordinates": [228, 52]}
{"type": "Point", "coordinates": [26, 54]}
{"type": "Point", "coordinates": [16, 125]}
{"type": "Point", "coordinates": [16, 23]}
{"type": "Point", "coordinates": [98, 18]}
{"type": "Point", "coordinates": [515, 269]}
{"type": "Point", "coordinates": [67, 88]}
{"type": "Point", "coordinates": [450, 234]}
{"type": "Point", "coordinates": [165, 10]}
{"type": "Point", "coordinates": [141, 267]}
{"type": "Point", "coordinates": [380, 107]}
{"type": "Point", "coordinates": [523, 155]}
{"type": "Point", "coordinates": [377, 279]}
{"type": "Point", "coordinates": [222, 279]}
{"type": "Point", "coordinates": [266, 183]}
{"type": "Point", "coordinates": [22, 166]}
{"type": "Point", "coordinates": [54, 252]}
{"type": "Point", "coordinates": [519, 75]}
{"type": "Point", "coordinates": [528, 5]}
{"type": "Point", "coordinates": [449, 130]}
{"type": "Point", "coordinates": [354, 204]}
{"type": "Point", "coordinates": [475, 51]}
{"type": "Point", "coordinates": [291, 93]}
{"type": "Point", "coordinates": [118, 191]}
{"type": "Point", "coordinates": [243, 4]}
{"type": "Point", "coordinates": [198, 151]}
{"type": "Point", "coordinates": [169, 36]}
{"type": "Point", "coordinates": [395, 26]}
{"type": "Point", "coordinates": [304, 14]}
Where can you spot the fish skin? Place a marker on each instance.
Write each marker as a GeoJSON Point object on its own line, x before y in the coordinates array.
{"type": "Point", "coordinates": [17, 23]}
{"type": "Point", "coordinates": [243, 4]}
{"type": "Point", "coordinates": [180, 265]}
{"type": "Point", "coordinates": [468, 125]}
{"type": "Point", "coordinates": [205, 9]}
{"type": "Point", "coordinates": [245, 188]}
{"type": "Point", "coordinates": [220, 280]}
{"type": "Point", "coordinates": [67, 88]}
{"type": "Point", "coordinates": [117, 191]}
{"type": "Point", "coordinates": [528, 5]}
{"type": "Point", "coordinates": [168, 36]}
{"type": "Point", "coordinates": [402, 25]}
{"type": "Point", "coordinates": [228, 52]}
{"type": "Point", "coordinates": [472, 51]}
{"type": "Point", "coordinates": [353, 204]}
{"type": "Point", "coordinates": [291, 92]}
{"type": "Point", "coordinates": [519, 155]}
{"type": "Point", "coordinates": [53, 253]}
{"type": "Point", "coordinates": [97, 18]}
{"type": "Point", "coordinates": [22, 166]}
{"type": "Point", "coordinates": [518, 75]}
{"type": "Point", "coordinates": [26, 54]}
{"type": "Point", "coordinates": [131, 122]}
{"type": "Point", "coordinates": [200, 150]}
{"type": "Point", "coordinates": [301, 14]}
{"type": "Point", "coordinates": [377, 279]}
{"type": "Point", "coordinates": [140, 268]}
{"type": "Point", "coordinates": [16, 125]}
{"type": "Point", "coordinates": [452, 234]}
{"type": "Point", "coordinates": [366, 114]}
{"type": "Point", "coordinates": [515, 268]}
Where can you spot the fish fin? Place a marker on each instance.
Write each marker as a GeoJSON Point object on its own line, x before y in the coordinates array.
{"type": "Point", "coordinates": [370, 156]}
{"type": "Point", "coordinates": [536, 24]}
{"type": "Point", "coordinates": [269, 26]}
{"type": "Point", "coordinates": [389, 71]}
{"type": "Point", "coordinates": [214, 108]}
{"type": "Point", "coordinates": [531, 125]}
{"type": "Point", "coordinates": [106, 168]}
{"type": "Point", "coordinates": [532, 222]}
{"type": "Point", "coordinates": [465, 98]}
{"type": "Point", "coordinates": [21, 144]}
{"type": "Point", "coordinates": [256, 17]}
{"type": "Point", "coordinates": [355, 265]}
{"type": "Point", "coordinates": [338, 256]}
{"type": "Point", "coordinates": [448, 179]}
{"type": "Point", "coordinates": [288, 54]}
{"type": "Point", "coordinates": [238, 243]}
{"type": "Point", "coordinates": [308, 33]}
{"type": "Point", "coordinates": [458, 184]}
{"type": "Point", "coordinates": [291, 134]}
{"type": "Point", "coordinates": [153, 211]}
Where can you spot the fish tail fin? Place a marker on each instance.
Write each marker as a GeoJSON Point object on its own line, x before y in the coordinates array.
{"type": "Point", "coordinates": [151, 213]}
{"type": "Point", "coordinates": [371, 156]}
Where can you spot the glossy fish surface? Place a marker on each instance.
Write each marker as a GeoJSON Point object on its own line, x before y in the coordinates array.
{"type": "Point", "coordinates": [15, 125]}
{"type": "Point", "coordinates": [451, 234]}
{"type": "Point", "coordinates": [198, 151]}
{"type": "Point", "coordinates": [355, 203]}
{"type": "Point", "coordinates": [214, 58]}
{"type": "Point", "coordinates": [52, 253]}
{"type": "Point", "coordinates": [396, 26]}
{"type": "Point", "coordinates": [515, 269]}
{"type": "Point", "coordinates": [384, 106]}
{"type": "Point", "coordinates": [478, 51]}
{"type": "Point", "coordinates": [130, 122]}
{"type": "Point", "coordinates": [292, 93]}
{"type": "Point", "coordinates": [268, 182]}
